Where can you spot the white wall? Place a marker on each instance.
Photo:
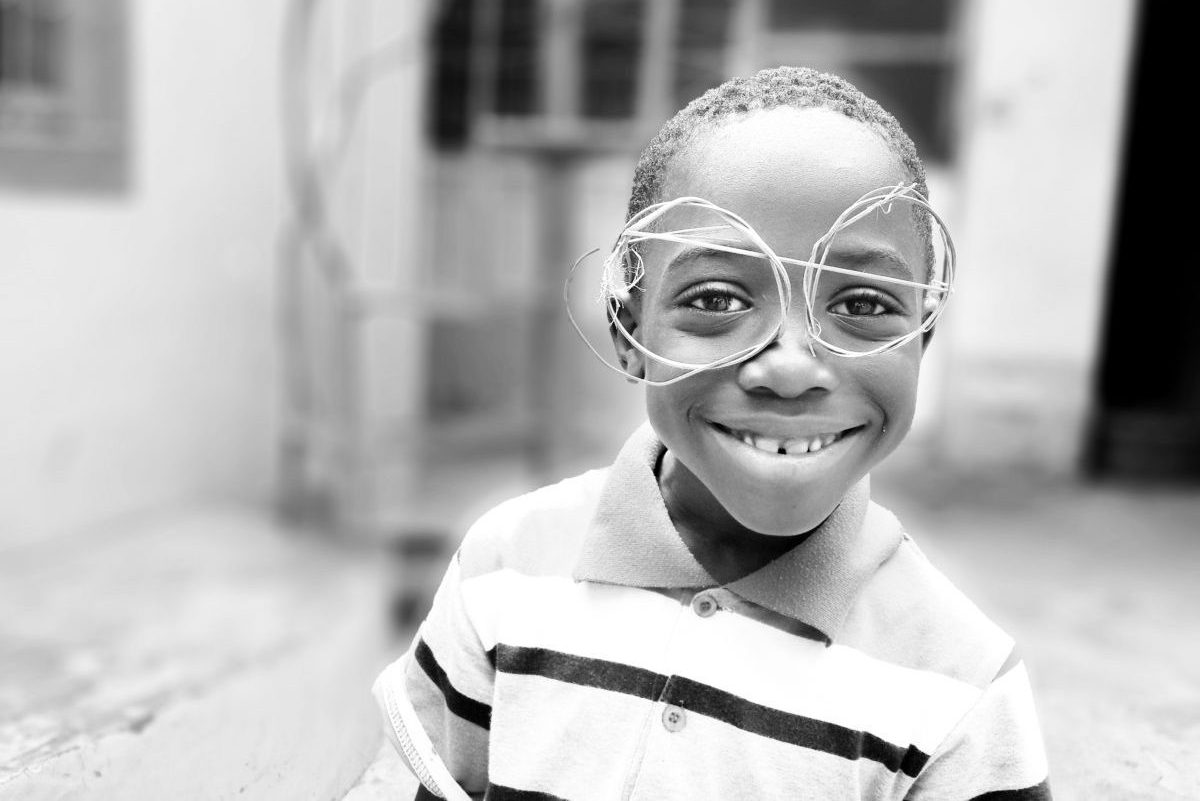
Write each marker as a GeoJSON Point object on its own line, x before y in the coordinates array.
{"type": "Point", "coordinates": [1042, 123]}
{"type": "Point", "coordinates": [137, 366]}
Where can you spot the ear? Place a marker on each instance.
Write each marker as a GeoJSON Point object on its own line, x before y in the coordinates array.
{"type": "Point", "coordinates": [928, 335]}
{"type": "Point", "coordinates": [628, 314]}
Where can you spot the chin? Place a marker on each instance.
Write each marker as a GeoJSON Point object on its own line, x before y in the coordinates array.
{"type": "Point", "coordinates": [775, 518]}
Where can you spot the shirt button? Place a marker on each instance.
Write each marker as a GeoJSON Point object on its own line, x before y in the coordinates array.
{"type": "Point", "coordinates": [674, 719]}
{"type": "Point", "coordinates": [704, 605]}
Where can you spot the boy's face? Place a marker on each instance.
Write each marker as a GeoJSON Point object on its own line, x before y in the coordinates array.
{"type": "Point", "coordinates": [789, 174]}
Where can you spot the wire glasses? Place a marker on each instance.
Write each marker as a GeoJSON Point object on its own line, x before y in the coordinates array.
{"type": "Point", "coordinates": [724, 295]}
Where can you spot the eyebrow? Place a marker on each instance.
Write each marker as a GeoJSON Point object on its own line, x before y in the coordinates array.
{"type": "Point", "coordinates": [694, 253]}
{"type": "Point", "coordinates": [880, 257]}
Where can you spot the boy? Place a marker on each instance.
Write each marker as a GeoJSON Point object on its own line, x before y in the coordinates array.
{"type": "Point", "coordinates": [723, 613]}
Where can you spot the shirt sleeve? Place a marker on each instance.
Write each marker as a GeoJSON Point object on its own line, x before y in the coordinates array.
{"type": "Point", "coordinates": [435, 699]}
{"type": "Point", "coordinates": [995, 753]}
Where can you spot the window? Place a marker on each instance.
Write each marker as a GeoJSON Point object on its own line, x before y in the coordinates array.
{"type": "Point", "coordinates": [701, 41]}
{"type": "Point", "coordinates": [899, 52]}
{"type": "Point", "coordinates": [612, 44]}
{"type": "Point", "coordinates": [63, 94]}
{"type": "Point", "coordinates": [615, 62]}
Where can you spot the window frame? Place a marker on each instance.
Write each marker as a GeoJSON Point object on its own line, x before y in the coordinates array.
{"type": "Point", "coordinates": [74, 136]}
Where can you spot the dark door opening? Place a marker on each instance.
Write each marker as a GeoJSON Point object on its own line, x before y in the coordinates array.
{"type": "Point", "coordinates": [1147, 424]}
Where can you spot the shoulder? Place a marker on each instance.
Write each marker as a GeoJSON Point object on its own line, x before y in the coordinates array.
{"type": "Point", "coordinates": [910, 614]}
{"type": "Point", "coordinates": [538, 533]}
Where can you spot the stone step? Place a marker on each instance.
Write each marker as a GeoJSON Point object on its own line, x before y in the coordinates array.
{"type": "Point", "coordinates": [207, 655]}
{"type": "Point", "coordinates": [385, 779]}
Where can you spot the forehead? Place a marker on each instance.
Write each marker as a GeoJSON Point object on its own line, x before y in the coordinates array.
{"type": "Point", "coordinates": [790, 173]}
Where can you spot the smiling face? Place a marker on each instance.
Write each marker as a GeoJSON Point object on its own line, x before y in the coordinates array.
{"type": "Point", "coordinates": [772, 444]}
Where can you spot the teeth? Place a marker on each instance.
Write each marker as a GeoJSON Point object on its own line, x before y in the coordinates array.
{"type": "Point", "coordinates": [790, 447]}
{"type": "Point", "coordinates": [795, 446]}
{"type": "Point", "coordinates": [768, 444]}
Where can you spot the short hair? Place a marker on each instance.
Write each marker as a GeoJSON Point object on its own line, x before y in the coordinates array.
{"type": "Point", "coordinates": [794, 87]}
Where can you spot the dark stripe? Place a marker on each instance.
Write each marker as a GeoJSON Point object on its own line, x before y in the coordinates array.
{"type": "Point", "coordinates": [1039, 792]}
{"type": "Point", "coordinates": [425, 795]}
{"type": "Point", "coordinates": [786, 727]}
{"type": "Point", "coordinates": [581, 670]}
{"type": "Point", "coordinates": [498, 792]}
{"type": "Point", "coordinates": [466, 708]}
{"type": "Point", "coordinates": [711, 702]}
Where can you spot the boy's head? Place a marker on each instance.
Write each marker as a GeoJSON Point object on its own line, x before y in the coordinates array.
{"type": "Point", "coordinates": [771, 444]}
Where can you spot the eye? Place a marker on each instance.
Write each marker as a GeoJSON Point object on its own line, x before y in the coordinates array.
{"type": "Point", "coordinates": [715, 300]}
{"type": "Point", "coordinates": [864, 303]}
{"type": "Point", "coordinates": [718, 302]}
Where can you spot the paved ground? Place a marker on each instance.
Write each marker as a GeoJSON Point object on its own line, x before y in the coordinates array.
{"type": "Point", "coordinates": [202, 654]}
{"type": "Point", "coordinates": [1101, 587]}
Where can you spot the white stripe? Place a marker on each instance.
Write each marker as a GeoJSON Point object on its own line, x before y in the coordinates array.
{"type": "Point", "coordinates": [570, 741]}
{"type": "Point", "coordinates": [837, 684]}
{"type": "Point", "coordinates": [620, 624]}
{"type": "Point", "coordinates": [548, 736]}
{"type": "Point", "coordinates": [758, 662]}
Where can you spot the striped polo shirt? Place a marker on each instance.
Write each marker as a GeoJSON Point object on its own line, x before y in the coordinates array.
{"type": "Point", "coordinates": [577, 650]}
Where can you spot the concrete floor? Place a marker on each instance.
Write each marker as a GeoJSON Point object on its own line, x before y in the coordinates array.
{"type": "Point", "coordinates": [195, 654]}
{"type": "Point", "coordinates": [1099, 584]}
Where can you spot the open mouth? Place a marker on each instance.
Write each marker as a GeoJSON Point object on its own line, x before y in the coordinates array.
{"type": "Point", "coordinates": [792, 446]}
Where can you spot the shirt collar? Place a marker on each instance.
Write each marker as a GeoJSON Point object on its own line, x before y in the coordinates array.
{"type": "Point", "coordinates": [632, 542]}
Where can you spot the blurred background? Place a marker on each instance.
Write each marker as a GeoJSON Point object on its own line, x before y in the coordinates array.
{"type": "Point", "coordinates": [281, 313]}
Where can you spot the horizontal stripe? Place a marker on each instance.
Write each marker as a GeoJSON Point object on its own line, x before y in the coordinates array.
{"type": "Point", "coordinates": [732, 650]}
{"type": "Point", "coordinates": [575, 617]}
{"type": "Point", "coordinates": [718, 704]}
{"type": "Point", "coordinates": [580, 670]}
{"type": "Point", "coordinates": [817, 735]}
{"type": "Point", "coordinates": [1039, 792]}
{"type": "Point", "coordinates": [498, 792]}
{"type": "Point", "coordinates": [449, 633]}
{"type": "Point", "coordinates": [466, 708]}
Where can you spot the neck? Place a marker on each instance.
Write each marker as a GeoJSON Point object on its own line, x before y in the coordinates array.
{"type": "Point", "coordinates": [723, 546]}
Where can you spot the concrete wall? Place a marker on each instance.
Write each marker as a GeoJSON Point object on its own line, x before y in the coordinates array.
{"type": "Point", "coordinates": [138, 358]}
{"type": "Point", "coordinates": [1042, 112]}
{"type": "Point", "coordinates": [136, 354]}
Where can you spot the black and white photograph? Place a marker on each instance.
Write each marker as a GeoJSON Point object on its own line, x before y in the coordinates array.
{"type": "Point", "coordinates": [597, 400]}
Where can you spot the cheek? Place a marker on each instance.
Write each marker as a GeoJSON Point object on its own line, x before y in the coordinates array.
{"type": "Point", "coordinates": [891, 383]}
{"type": "Point", "coordinates": [676, 410]}
{"type": "Point", "coordinates": [668, 406]}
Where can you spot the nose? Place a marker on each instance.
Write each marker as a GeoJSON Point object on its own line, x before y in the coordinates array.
{"type": "Point", "coordinates": [791, 366]}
